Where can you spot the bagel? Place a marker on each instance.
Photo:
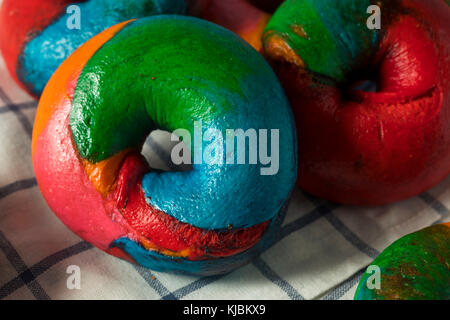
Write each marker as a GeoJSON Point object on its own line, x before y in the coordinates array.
{"type": "Point", "coordinates": [415, 267]}
{"type": "Point", "coordinates": [165, 72]}
{"type": "Point", "coordinates": [364, 146]}
{"type": "Point", "coordinates": [35, 38]}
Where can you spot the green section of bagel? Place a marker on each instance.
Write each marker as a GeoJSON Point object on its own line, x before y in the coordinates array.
{"type": "Point", "coordinates": [331, 37]}
{"type": "Point", "coordinates": [168, 72]}
{"type": "Point", "coordinates": [415, 267]}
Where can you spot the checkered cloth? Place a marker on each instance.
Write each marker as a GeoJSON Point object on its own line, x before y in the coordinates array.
{"type": "Point", "coordinates": [320, 253]}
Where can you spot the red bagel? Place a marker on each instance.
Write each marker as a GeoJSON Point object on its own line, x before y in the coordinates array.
{"type": "Point", "coordinates": [357, 147]}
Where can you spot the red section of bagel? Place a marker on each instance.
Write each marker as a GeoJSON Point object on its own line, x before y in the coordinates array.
{"type": "Point", "coordinates": [164, 231]}
{"type": "Point", "coordinates": [59, 171]}
{"type": "Point", "coordinates": [376, 148]}
{"type": "Point", "coordinates": [20, 21]}
{"type": "Point", "coordinates": [66, 187]}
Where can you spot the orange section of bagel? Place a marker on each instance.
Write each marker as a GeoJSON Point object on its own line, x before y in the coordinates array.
{"type": "Point", "coordinates": [277, 49]}
{"type": "Point", "coordinates": [61, 85]}
{"type": "Point", "coordinates": [61, 88]}
{"type": "Point", "coordinates": [150, 246]}
{"type": "Point", "coordinates": [103, 174]}
{"type": "Point", "coordinates": [254, 33]}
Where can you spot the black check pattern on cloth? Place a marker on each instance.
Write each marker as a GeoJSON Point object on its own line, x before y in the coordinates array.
{"type": "Point", "coordinates": [29, 275]}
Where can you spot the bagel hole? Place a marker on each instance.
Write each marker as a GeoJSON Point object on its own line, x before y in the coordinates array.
{"type": "Point", "coordinates": [157, 151]}
{"type": "Point", "coordinates": [361, 86]}
{"type": "Point", "coordinates": [366, 85]}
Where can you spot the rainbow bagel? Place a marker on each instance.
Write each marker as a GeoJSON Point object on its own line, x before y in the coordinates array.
{"type": "Point", "coordinates": [35, 38]}
{"type": "Point", "coordinates": [166, 72]}
{"type": "Point", "coordinates": [366, 144]}
{"type": "Point", "coordinates": [415, 267]}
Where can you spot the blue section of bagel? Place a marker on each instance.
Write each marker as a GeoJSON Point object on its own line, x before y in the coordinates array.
{"type": "Point", "coordinates": [44, 53]}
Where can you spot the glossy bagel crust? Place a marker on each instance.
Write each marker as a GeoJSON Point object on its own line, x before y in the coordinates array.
{"type": "Point", "coordinates": [415, 267]}
{"type": "Point", "coordinates": [360, 147]}
{"type": "Point", "coordinates": [35, 39]}
{"type": "Point", "coordinates": [105, 99]}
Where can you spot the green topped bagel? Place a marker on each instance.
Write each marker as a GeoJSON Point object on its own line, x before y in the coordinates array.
{"type": "Point", "coordinates": [415, 267]}
{"type": "Point", "coordinates": [169, 73]}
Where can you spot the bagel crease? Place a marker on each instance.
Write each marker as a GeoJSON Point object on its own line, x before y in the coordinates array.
{"type": "Point", "coordinates": [35, 37]}
{"type": "Point", "coordinates": [239, 16]}
{"type": "Point", "coordinates": [360, 146]}
{"type": "Point", "coordinates": [165, 73]}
